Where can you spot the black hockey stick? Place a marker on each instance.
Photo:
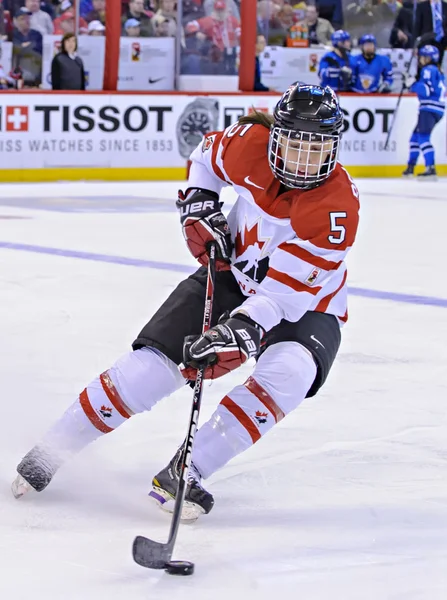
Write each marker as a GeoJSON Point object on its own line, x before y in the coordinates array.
{"type": "Point", "coordinates": [390, 130]}
{"type": "Point", "coordinates": [146, 552]}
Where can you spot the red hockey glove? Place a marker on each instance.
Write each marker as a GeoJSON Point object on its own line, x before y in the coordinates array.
{"type": "Point", "coordinates": [203, 222]}
{"type": "Point", "coordinates": [222, 348]}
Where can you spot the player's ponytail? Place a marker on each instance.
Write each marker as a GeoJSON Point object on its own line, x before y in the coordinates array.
{"type": "Point", "coordinates": [256, 117]}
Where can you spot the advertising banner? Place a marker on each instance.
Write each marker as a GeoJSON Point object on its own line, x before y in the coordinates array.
{"type": "Point", "coordinates": [39, 131]}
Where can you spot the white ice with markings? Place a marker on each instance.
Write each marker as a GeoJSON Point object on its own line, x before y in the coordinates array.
{"type": "Point", "coordinates": [346, 499]}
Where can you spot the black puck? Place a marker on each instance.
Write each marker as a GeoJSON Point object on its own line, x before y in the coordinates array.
{"type": "Point", "coordinates": [179, 567]}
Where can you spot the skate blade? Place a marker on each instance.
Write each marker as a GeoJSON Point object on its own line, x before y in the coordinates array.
{"type": "Point", "coordinates": [427, 178]}
{"type": "Point", "coordinates": [20, 487]}
{"type": "Point", "coordinates": [190, 511]}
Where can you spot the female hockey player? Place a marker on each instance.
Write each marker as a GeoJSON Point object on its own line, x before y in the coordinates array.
{"type": "Point", "coordinates": [371, 72]}
{"type": "Point", "coordinates": [335, 66]}
{"type": "Point", "coordinates": [430, 88]}
{"type": "Point", "coordinates": [281, 281]}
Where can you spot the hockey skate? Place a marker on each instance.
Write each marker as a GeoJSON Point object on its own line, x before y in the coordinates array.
{"type": "Point", "coordinates": [428, 175]}
{"type": "Point", "coordinates": [35, 472]}
{"type": "Point", "coordinates": [409, 171]}
{"type": "Point", "coordinates": [164, 487]}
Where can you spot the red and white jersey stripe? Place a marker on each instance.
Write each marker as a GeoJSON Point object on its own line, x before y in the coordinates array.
{"type": "Point", "coordinates": [289, 245]}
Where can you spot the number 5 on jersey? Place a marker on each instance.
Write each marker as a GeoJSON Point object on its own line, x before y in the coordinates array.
{"type": "Point", "coordinates": [337, 227]}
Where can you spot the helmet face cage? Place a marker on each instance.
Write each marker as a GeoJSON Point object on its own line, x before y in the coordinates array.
{"type": "Point", "coordinates": [300, 159]}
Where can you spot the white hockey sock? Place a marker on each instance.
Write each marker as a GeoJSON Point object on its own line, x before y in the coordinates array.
{"type": "Point", "coordinates": [135, 383]}
{"type": "Point", "coordinates": [280, 382]}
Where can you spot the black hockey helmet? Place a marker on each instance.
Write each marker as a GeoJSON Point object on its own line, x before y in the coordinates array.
{"type": "Point", "coordinates": [304, 138]}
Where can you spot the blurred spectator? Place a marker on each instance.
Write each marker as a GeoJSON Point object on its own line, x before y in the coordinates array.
{"type": "Point", "coordinates": [192, 11]}
{"type": "Point", "coordinates": [371, 72]}
{"type": "Point", "coordinates": [95, 28]}
{"type": "Point", "coordinates": [98, 13]}
{"type": "Point", "coordinates": [280, 26]}
{"type": "Point", "coordinates": [431, 24]}
{"type": "Point", "coordinates": [332, 11]}
{"type": "Point", "coordinates": [217, 37]}
{"type": "Point", "coordinates": [233, 8]}
{"type": "Point", "coordinates": [40, 20]}
{"type": "Point", "coordinates": [319, 30]}
{"type": "Point", "coordinates": [165, 19]}
{"type": "Point", "coordinates": [27, 48]}
{"type": "Point", "coordinates": [66, 23]}
{"type": "Point", "coordinates": [67, 69]}
{"type": "Point", "coordinates": [23, 36]}
{"type": "Point", "coordinates": [260, 47]}
{"type": "Point", "coordinates": [162, 27]}
{"type": "Point", "coordinates": [401, 35]}
{"type": "Point", "coordinates": [85, 7]}
{"type": "Point", "coordinates": [267, 20]}
{"type": "Point", "coordinates": [136, 11]}
{"type": "Point", "coordinates": [386, 13]}
{"type": "Point", "coordinates": [361, 17]}
{"type": "Point", "coordinates": [132, 28]}
{"type": "Point", "coordinates": [335, 66]}
{"type": "Point", "coordinates": [6, 24]}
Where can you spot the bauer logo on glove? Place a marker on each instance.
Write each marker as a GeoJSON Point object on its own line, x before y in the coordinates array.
{"type": "Point", "coordinates": [222, 348]}
{"type": "Point", "coordinates": [204, 223]}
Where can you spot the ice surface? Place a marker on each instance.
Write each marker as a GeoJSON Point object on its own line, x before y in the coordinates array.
{"type": "Point", "coordinates": [346, 499]}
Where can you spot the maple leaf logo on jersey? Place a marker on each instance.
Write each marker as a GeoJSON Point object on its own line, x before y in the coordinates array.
{"type": "Point", "coordinates": [106, 411]}
{"type": "Point", "coordinates": [261, 417]}
{"type": "Point", "coordinates": [208, 142]}
{"type": "Point", "coordinates": [248, 250]}
{"type": "Point", "coordinates": [250, 238]}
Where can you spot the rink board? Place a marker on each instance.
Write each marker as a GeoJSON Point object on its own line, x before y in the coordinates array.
{"type": "Point", "coordinates": [103, 136]}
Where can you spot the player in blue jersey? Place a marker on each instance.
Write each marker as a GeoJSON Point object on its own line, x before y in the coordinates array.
{"type": "Point", "coordinates": [335, 66]}
{"type": "Point", "coordinates": [430, 88]}
{"type": "Point", "coordinates": [371, 72]}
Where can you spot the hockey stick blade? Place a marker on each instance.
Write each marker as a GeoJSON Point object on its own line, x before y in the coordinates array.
{"type": "Point", "coordinates": [150, 554]}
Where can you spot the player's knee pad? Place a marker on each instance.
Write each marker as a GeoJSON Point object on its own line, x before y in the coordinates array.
{"type": "Point", "coordinates": [144, 377]}
{"type": "Point", "coordinates": [414, 140]}
{"type": "Point", "coordinates": [135, 383]}
{"type": "Point", "coordinates": [286, 371]}
{"type": "Point", "coordinates": [424, 139]}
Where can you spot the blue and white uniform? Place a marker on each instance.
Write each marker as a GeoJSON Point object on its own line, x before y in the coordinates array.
{"type": "Point", "coordinates": [430, 88]}
{"type": "Point", "coordinates": [335, 67]}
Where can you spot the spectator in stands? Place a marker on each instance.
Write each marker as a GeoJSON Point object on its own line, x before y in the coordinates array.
{"type": "Point", "coordinates": [66, 23]}
{"type": "Point", "coordinates": [218, 37]}
{"type": "Point", "coordinates": [95, 28]}
{"type": "Point", "coordinates": [386, 13]}
{"type": "Point", "coordinates": [280, 26]}
{"type": "Point", "coordinates": [23, 36]}
{"type": "Point", "coordinates": [136, 11]}
{"type": "Point", "coordinates": [361, 16]}
{"type": "Point", "coordinates": [163, 27]}
{"type": "Point", "coordinates": [267, 11]}
{"type": "Point", "coordinates": [40, 20]}
{"type": "Point", "coordinates": [165, 19]}
{"type": "Point", "coordinates": [98, 13]}
{"type": "Point", "coordinates": [401, 35]}
{"type": "Point", "coordinates": [6, 24]}
{"type": "Point", "coordinates": [319, 30]}
{"type": "Point", "coordinates": [132, 28]}
{"type": "Point", "coordinates": [67, 69]}
{"type": "Point", "coordinates": [331, 10]}
{"type": "Point", "coordinates": [260, 47]}
{"type": "Point", "coordinates": [233, 8]}
{"type": "Point", "coordinates": [431, 24]}
{"type": "Point", "coordinates": [192, 11]}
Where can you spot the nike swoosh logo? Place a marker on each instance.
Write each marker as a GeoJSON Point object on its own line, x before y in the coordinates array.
{"type": "Point", "coordinates": [247, 180]}
{"type": "Point", "coordinates": [312, 337]}
{"type": "Point", "coordinates": [155, 80]}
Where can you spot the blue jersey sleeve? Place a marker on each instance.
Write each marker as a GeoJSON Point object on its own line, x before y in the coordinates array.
{"type": "Point", "coordinates": [387, 71]}
{"type": "Point", "coordinates": [430, 83]}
